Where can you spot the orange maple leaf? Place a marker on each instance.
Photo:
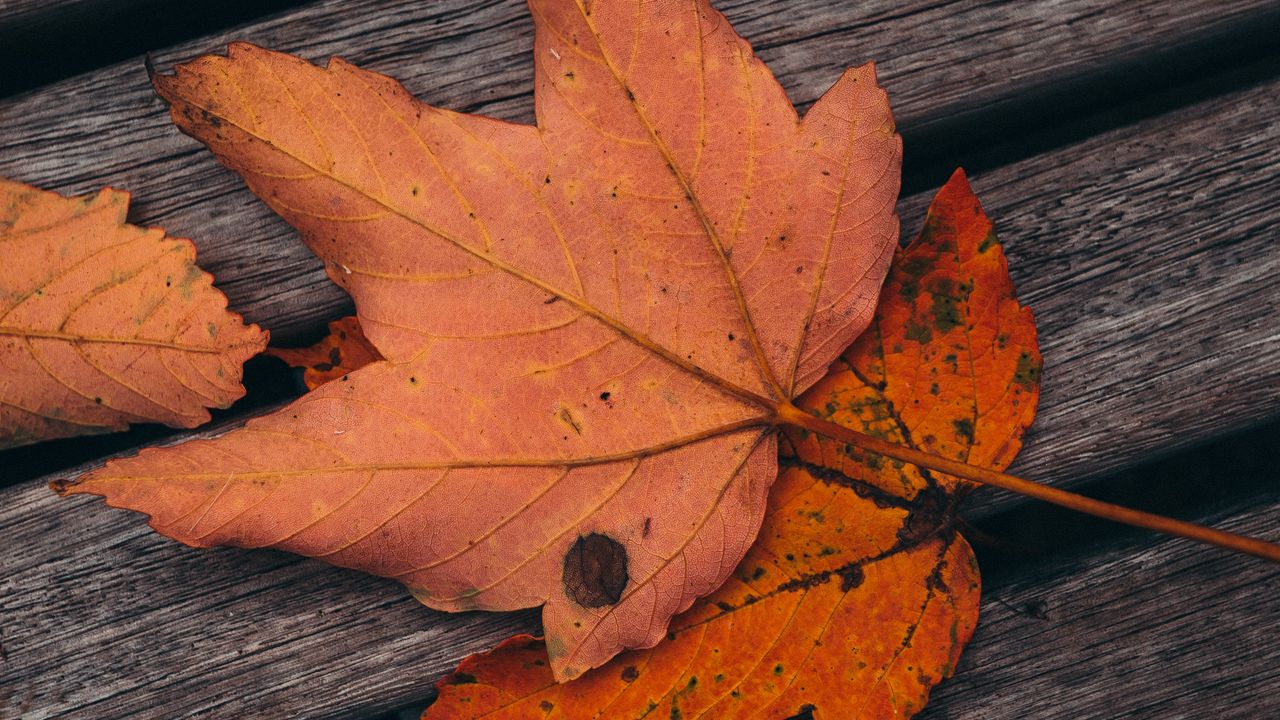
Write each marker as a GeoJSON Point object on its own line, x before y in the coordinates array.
{"type": "Point", "coordinates": [103, 324]}
{"type": "Point", "coordinates": [590, 324]}
{"type": "Point", "coordinates": [858, 595]}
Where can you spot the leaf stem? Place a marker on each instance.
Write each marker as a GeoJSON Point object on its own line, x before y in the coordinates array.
{"type": "Point", "coordinates": [791, 415]}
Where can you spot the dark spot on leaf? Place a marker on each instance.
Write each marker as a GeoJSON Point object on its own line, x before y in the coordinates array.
{"type": "Point", "coordinates": [964, 429]}
{"type": "Point", "coordinates": [630, 673]}
{"type": "Point", "coordinates": [918, 332]}
{"type": "Point", "coordinates": [335, 356]}
{"type": "Point", "coordinates": [926, 519]}
{"type": "Point", "coordinates": [547, 706]}
{"type": "Point", "coordinates": [604, 395]}
{"type": "Point", "coordinates": [568, 419]}
{"type": "Point", "coordinates": [97, 400]}
{"type": "Point", "coordinates": [910, 290]}
{"type": "Point", "coordinates": [757, 573]}
{"type": "Point", "coordinates": [648, 525]}
{"type": "Point", "coordinates": [1027, 373]}
{"type": "Point", "coordinates": [547, 180]}
{"type": "Point", "coordinates": [731, 338]}
{"type": "Point", "coordinates": [806, 711]}
{"type": "Point", "coordinates": [461, 678]}
{"type": "Point", "coordinates": [551, 299]}
{"type": "Point", "coordinates": [946, 313]}
{"type": "Point", "coordinates": [595, 571]}
{"type": "Point", "coordinates": [851, 577]}
{"type": "Point", "coordinates": [988, 242]}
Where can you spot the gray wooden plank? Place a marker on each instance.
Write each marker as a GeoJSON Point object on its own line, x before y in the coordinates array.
{"type": "Point", "coordinates": [1148, 252]}
{"type": "Point", "coordinates": [42, 41]}
{"type": "Point", "coordinates": [1152, 629]}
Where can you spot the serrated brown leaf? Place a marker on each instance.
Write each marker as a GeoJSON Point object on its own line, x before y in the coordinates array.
{"type": "Point", "coordinates": [589, 324]}
{"type": "Point", "coordinates": [858, 595]}
{"type": "Point", "coordinates": [103, 324]}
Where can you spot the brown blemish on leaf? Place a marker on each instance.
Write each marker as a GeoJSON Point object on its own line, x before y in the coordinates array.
{"type": "Point", "coordinates": [595, 571]}
{"type": "Point", "coordinates": [567, 418]}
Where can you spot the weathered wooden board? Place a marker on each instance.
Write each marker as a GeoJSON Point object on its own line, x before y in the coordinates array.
{"type": "Point", "coordinates": [1148, 253]}
{"type": "Point", "coordinates": [42, 41]}
{"type": "Point", "coordinates": [1145, 630]}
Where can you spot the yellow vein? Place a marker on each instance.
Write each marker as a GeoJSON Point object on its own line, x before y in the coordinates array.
{"type": "Point", "coordinates": [487, 257]}
{"type": "Point", "coordinates": [701, 213]}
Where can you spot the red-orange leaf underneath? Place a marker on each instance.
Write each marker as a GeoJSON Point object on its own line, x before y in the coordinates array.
{"type": "Point", "coordinates": [340, 352]}
{"type": "Point", "coordinates": [858, 595]}
{"type": "Point", "coordinates": [103, 324]}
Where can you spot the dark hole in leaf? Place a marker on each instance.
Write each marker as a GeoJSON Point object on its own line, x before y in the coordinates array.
{"type": "Point", "coordinates": [595, 571]}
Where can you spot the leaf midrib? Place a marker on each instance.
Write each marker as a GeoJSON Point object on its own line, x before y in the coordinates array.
{"type": "Point", "coordinates": [499, 264]}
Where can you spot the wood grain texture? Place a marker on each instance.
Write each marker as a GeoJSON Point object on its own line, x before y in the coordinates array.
{"type": "Point", "coordinates": [1148, 254]}
{"type": "Point", "coordinates": [1149, 629]}
{"type": "Point", "coordinates": [42, 41]}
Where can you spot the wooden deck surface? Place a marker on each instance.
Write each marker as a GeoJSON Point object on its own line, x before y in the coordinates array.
{"type": "Point", "coordinates": [1129, 154]}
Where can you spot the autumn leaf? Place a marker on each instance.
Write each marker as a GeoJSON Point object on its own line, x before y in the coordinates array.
{"type": "Point", "coordinates": [858, 595]}
{"type": "Point", "coordinates": [589, 325]}
{"type": "Point", "coordinates": [103, 323]}
{"type": "Point", "coordinates": [344, 349]}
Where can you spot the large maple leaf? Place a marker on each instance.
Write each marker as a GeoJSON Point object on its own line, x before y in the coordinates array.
{"type": "Point", "coordinates": [103, 323]}
{"type": "Point", "coordinates": [859, 594]}
{"type": "Point", "coordinates": [590, 325]}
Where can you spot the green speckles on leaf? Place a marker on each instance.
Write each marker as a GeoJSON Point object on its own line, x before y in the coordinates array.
{"type": "Point", "coordinates": [946, 313]}
{"type": "Point", "coordinates": [918, 332]}
{"type": "Point", "coordinates": [909, 290]}
{"type": "Point", "coordinates": [988, 242]}
{"type": "Point", "coordinates": [186, 286]}
{"type": "Point", "coordinates": [1027, 373]}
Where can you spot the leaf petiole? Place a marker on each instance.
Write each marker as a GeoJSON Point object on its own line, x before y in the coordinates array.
{"type": "Point", "coordinates": [789, 414]}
